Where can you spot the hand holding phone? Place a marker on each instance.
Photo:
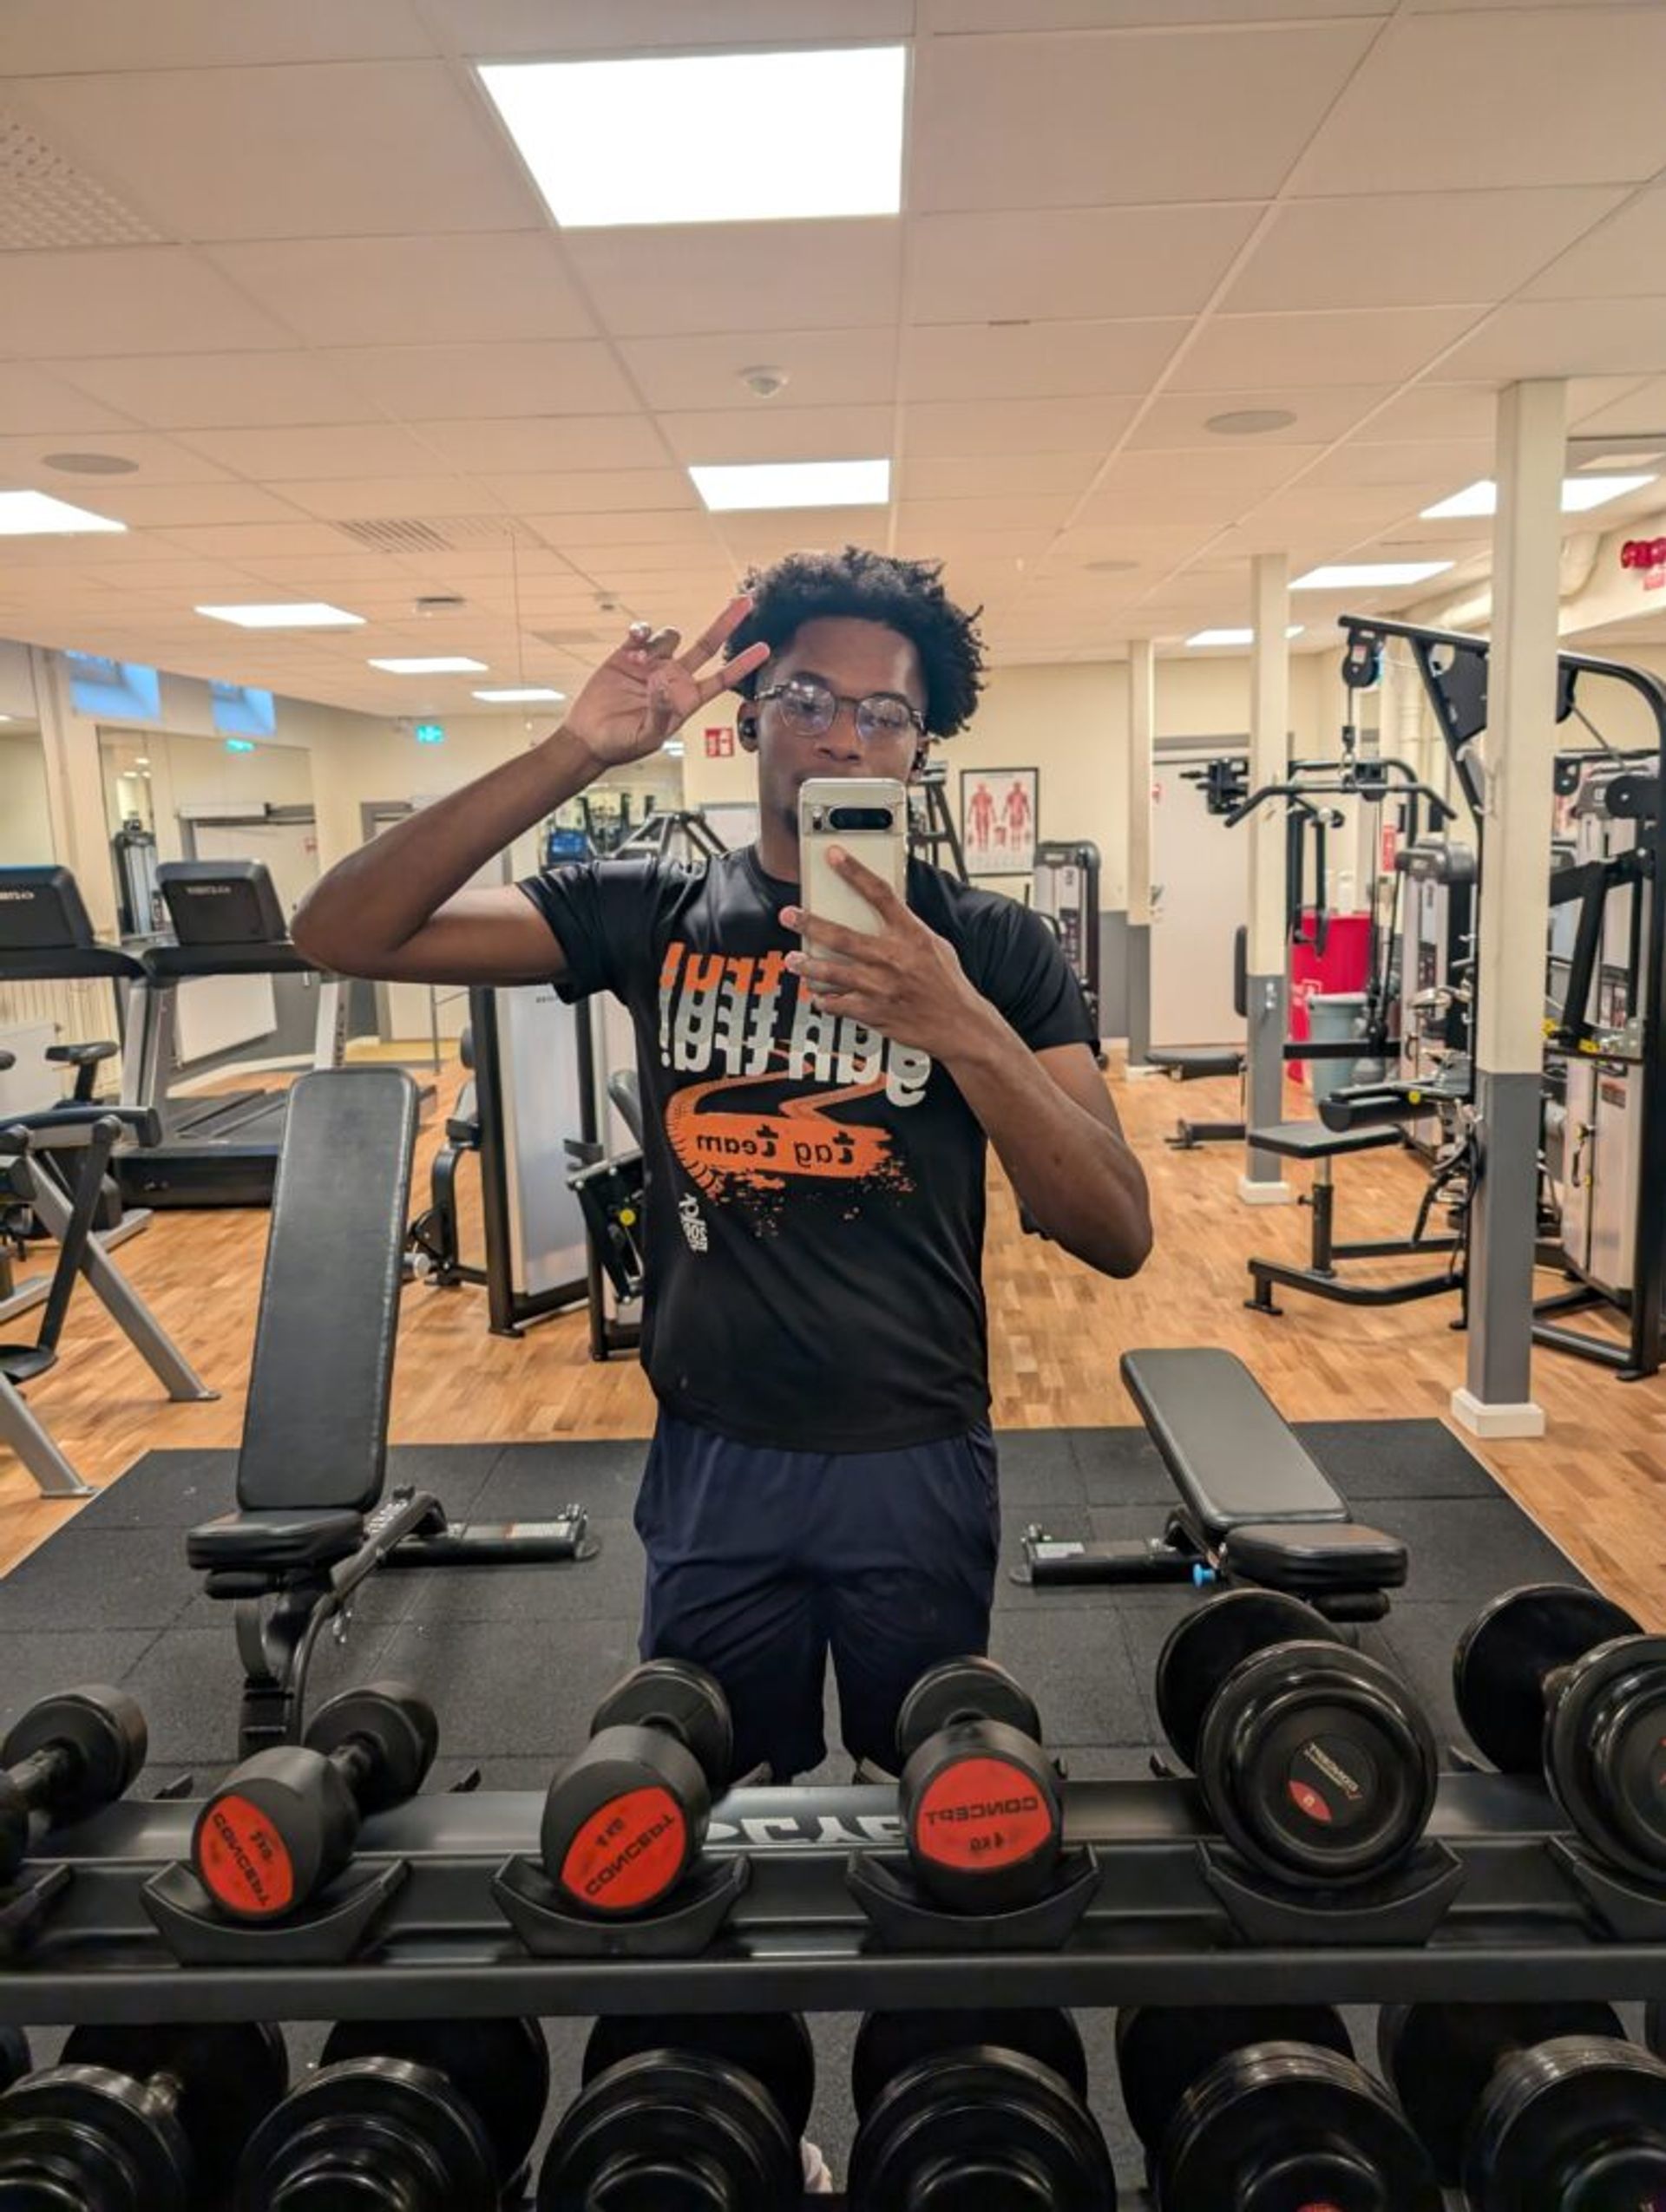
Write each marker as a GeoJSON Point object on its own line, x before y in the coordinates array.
{"type": "Point", "coordinates": [868, 817]}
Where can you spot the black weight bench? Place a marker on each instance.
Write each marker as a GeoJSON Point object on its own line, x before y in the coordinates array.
{"type": "Point", "coordinates": [1253, 1504]}
{"type": "Point", "coordinates": [1318, 1146]}
{"type": "Point", "coordinates": [311, 1521]}
{"type": "Point", "coordinates": [1196, 1066]}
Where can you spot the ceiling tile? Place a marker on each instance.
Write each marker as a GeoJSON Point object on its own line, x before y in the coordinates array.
{"type": "Point", "coordinates": [493, 30]}
{"type": "Point", "coordinates": [1238, 352]}
{"type": "Point", "coordinates": [313, 151]}
{"type": "Point", "coordinates": [307, 450]}
{"type": "Point", "coordinates": [1571, 96]}
{"type": "Point", "coordinates": [1036, 360]}
{"type": "Point", "coordinates": [958, 519]}
{"type": "Point", "coordinates": [994, 477]}
{"type": "Point", "coordinates": [742, 435]}
{"type": "Point", "coordinates": [594, 491]}
{"type": "Point", "coordinates": [1380, 250]}
{"type": "Point", "coordinates": [159, 461]}
{"type": "Point", "coordinates": [32, 399]}
{"type": "Point", "coordinates": [1621, 257]}
{"type": "Point", "coordinates": [1106, 15]}
{"type": "Point", "coordinates": [1175, 420]}
{"type": "Point", "coordinates": [823, 367]}
{"type": "Point", "coordinates": [184, 391]}
{"type": "Point", "coordinates": [1190, 487]}
{"type": "Point", "coordinates": [351, 499]}
{"type": "Point", "coordinates": [354, 291]}
{"type": "Point", "coordinates": [1643, 410]}
{"type": "Point", "coordinates": [1544, 338]}
{"type": "Point", "coordinates": [704, 277]}
{"type": "Point", "coordinates": [1449, 463]}
{"type": "Point", "coordinates": [247, 541]}
{"type": "Point", "coordinates": [440, 383]}
{"type": "Point", "coordinates": [144, 506]}
{"type": "Point", "coordinates": [1076, 121]}
{"type": "Point", "coordinates": [688, 530]}
{"type": "Point", "coordinates": [41, 36]}
{"type": "Point", "coordinates": [936, 430]}
{"type": "Point", "coordinates": [132, 299]}
{"type": "Point", "coordinates": [1062, 264]}
{"type": "Point", "coordinates": [1435, 411]}
{"type": "Point", "coordinates": [547, 442]}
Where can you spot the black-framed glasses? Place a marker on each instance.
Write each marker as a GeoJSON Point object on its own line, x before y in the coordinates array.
{"type": "Point", "coordinates": [808, 707]}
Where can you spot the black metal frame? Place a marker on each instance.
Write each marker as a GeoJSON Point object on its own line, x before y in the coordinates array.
{"type": "Point", "coordinates": [509, 1312]}
{"type": "Point", "coordinates": [601, 1186]}
{"type": "Point", "coordinates": [1319, 1278]}
{"type": "Point", "coordinates": [1518, 1911]}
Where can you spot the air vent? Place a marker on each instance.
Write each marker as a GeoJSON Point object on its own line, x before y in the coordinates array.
{"type": "Point", "coordinates": [45, 202]}
{"type": "Point", "coordinates": [408, 534]}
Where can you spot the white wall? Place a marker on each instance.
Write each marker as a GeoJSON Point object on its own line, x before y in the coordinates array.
{"type": "Point", "coordinates": [25, 823]}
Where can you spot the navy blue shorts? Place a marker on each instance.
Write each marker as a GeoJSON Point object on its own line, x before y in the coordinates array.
{"type": "Point", "coordinates": [762, 1562]}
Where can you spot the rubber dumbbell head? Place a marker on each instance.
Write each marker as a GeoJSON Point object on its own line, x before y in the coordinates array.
{"type": "Point", "coordinates": [981, 1803]}
{"type": "Point", "coordinates": [284, 1825]}
{"type": "Point", "coordinates": [1315, 1760]}
{"type": "Point", "coordinates": [774, 2048]}
{"type": "Point", "coordinates": [138, 2119]}
{"type": "Point", "coordinates": [405, 2116]}
{"type": "Point", "coordinates": [1262, 2110]}
{"type": "Point", "coordinates": [686, 2129]}
{"type": "Point", "coordinates": [68, 1757]}
{"type": "Point", "coordinates": [625, 1822]}
{"type": "Point", "coordinates": [974, 2126]}
{"type": "Point", "coordinates": [1563, 1680]}
{"type": "Point", "coordinates": [1472, 2083]}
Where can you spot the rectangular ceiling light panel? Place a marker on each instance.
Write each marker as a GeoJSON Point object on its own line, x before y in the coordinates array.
{"type": "Point", "coordinates": [756, 485]}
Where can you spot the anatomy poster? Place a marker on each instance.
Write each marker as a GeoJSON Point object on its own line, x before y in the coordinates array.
{"type": "Point", "coordinates": [997, 809]}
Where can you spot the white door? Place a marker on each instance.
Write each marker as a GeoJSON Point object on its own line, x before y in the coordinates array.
{"type": "Point", "coordinates": [1200, 895]}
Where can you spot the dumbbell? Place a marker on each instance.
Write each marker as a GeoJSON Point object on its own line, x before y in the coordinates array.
{"type": "Point", "coordinates": [1314, 1760]}
{"type": "Point", "coordinates": [982, 1805]}
{"type": "Point", "coordinates": [1264, 2109]}
{"type": "Point", "coordinates": [138, 2119]}
{"type": "Point", "coordinates": [625, 1822]}
{"type": "Point", "coordinates": [283, 1825]}
{"type": "Point", "coordinates": [685, 2114]}
{"type": "Point", "coordinates": [405, 2116]}
{"type": "Point", "coordinates": [68, 1757]}
{"type": "Point", "coordinates": [978, 2111]}
{"type": "Point", "coordinates": [1533, 2107]}
{"type": "Point", "coordinates": [1563, 1682]}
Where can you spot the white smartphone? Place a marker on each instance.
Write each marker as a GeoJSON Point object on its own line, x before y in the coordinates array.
{"type": "Point", "coordinates": [868, 815]}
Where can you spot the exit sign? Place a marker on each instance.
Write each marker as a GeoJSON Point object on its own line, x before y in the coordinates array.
{"type": "Point", "coordinates": [431, 733]}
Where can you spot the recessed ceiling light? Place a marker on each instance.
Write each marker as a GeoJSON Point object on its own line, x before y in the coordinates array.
{"type": "Point", "coordinates": [794, 483]}
{"type": "Point", "coordinates": [1249, 422]}
{"type": "Point", "coordinates": [1579, 495]}
{"type": "Point", "coordinates": [433, 665]}
{"type": "Point", "coordinates": [90, 464]}
{"type": "Point", "coordinates": [1234, 637]}
{"type": "Point", "coordinates": [1360, 575]}
{"type": "Point", "coordinates": [516, 693]}
{"type": "Point", "coordinates": [142, 759]}
{"type": "Point", "coordinates": [608, 142]}
{"type": "Point", "coordinates": [294, 614]}
{"type": "Point", "coordinates": [37, 514]}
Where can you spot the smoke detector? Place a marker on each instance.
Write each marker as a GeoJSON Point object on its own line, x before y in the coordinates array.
{"type": "Point", "coordinates": [763, 383]}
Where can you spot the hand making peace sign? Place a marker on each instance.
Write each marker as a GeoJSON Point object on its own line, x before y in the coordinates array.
{"type": "Point", "coordinates": [647, 690]}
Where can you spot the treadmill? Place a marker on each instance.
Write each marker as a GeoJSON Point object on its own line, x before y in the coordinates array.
{"type": "Point", "coordinates": [216, 1149]}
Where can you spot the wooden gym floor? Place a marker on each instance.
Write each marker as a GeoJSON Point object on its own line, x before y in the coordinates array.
{"type": "Point", "coordinates": [1597, 1482]}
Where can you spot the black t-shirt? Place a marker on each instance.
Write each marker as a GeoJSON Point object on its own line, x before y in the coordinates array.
{"type": "Point", "coordinates": [815, 1196]}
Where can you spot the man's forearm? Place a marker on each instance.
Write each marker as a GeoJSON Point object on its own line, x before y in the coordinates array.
{"type": "Point", "coordinates": [377, 898]}
{"type": "Point", "coordinates": [1078, 1176]}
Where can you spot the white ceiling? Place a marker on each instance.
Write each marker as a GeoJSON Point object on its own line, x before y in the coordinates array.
{"type": "Point", "coordinates": [286, 260]}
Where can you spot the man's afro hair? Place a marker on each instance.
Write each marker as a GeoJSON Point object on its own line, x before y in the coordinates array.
{"type": "Point", "coordinates": [906, 596]}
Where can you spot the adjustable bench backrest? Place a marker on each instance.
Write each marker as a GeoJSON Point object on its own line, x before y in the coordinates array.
{"type": "Point", "coordinates": [315, 1435]}
{"type": "Point", "coordinates": [1234, 1457]}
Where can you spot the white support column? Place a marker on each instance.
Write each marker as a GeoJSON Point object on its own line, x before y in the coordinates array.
{"type": "Point", "coordinates": [74, 792]}
{"type": "Point", "coordinates": [1520, 752]}
{"type": "Point", "coordinates": [1142, 759]}
{"type": "Point", "coordinates": [1261, 1183]}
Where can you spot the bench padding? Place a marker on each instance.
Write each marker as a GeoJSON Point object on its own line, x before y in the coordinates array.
{"type": "Point", "coordinates": [1309, 1560]}
{"type": "Point", "coordinates": [1233, 1456]}
{"type": "Point", "coordinates": [1313, 1141]}
{"type": "Point", "coordinates": [274, 1543]}
{"type": "Point", "coordinates": [1192, 1066]}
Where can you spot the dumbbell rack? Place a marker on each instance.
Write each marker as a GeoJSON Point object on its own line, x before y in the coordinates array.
{"type": "Point", "coordinates": [1164, 1921]}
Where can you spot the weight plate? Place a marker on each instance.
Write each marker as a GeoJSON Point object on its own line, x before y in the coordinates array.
{"type": "Point", "coordinates": [774, 2048]}
{"type": "Point", "coordinates": [682, 1699]}
{"type": "Point", "coordinates": [1654, 2027]}
{"type": "Point", "coordinates": [1605, 1751]}
{"type": "Point", "coordinates": [670, 2132]}
{"type": "Point", "coordinates": [1503, 1657]}
{"type": "Point", "coordinates": [1285, 2124]}
{"type": "Point", "coordinates": [15, 2061]}
{"type": "Point", "coordinates": [397, 1721]}
{"type": "Point", "coordinates": [963, 1689]}
{"type": "Point", "coordinates": [1205, 1646]}
{"type": "Point", "coordinates": [375, 2134]}
{"type": "Point", "coordinates": [1440, 2058]}
{"type": "Point", "coordinates": [983, 1816]}
{"type": "Point", "coordinates": [104, 1728]}
{"type": "Point", "coordinates": [1317, 1763]}
{"type": "Point", "coordinates": [499, 2068]}
{"type": "Point", "coordinates": [1577, 2125]}
{"type": "Point", "coordinates": [984, 2130]}
{"type": "Point", "coordinates": [229, 2077]}
{"type": "Point", "coordinates": [73, 2138]}
{"type": "Point", "coordinates": [888, 2044]}
{"type": "Point", "coordinates": [1163, 2049]}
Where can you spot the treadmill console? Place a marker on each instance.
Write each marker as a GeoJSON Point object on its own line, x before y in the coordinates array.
{"type": "Point", "coordinates": [41, 911]}
{"type": "Point", "coordinates": [221, 902]}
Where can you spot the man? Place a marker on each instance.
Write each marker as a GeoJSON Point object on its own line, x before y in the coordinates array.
{"type": "Point", "coordinates": [822, 1476]}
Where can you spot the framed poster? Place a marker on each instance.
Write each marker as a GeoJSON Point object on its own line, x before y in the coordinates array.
{"type": "Point", "coordinates": [998, 818]}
